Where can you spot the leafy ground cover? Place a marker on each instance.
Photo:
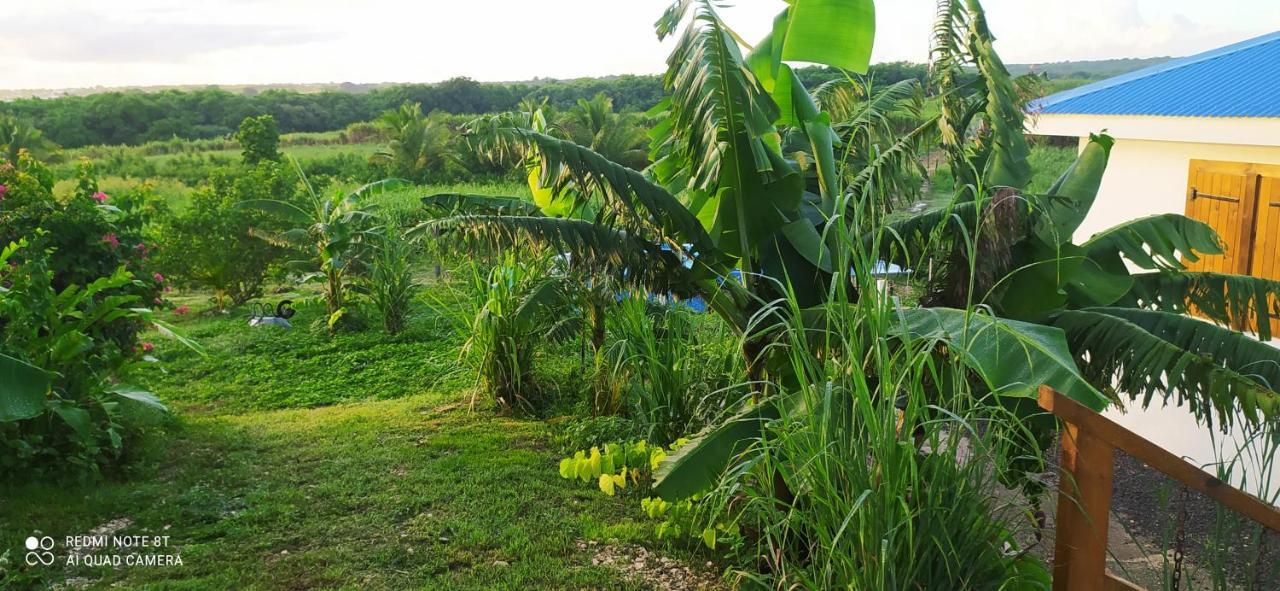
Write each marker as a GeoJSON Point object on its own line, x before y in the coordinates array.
{"type": "Point", "coordinates": [406, 488]}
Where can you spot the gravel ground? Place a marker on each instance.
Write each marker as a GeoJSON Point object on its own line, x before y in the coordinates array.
{"type": "Point", "coordinates": [1141, 520]}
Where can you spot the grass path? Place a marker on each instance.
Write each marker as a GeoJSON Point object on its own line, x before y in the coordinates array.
{"type": "Point", "coordinates": [411, 492]}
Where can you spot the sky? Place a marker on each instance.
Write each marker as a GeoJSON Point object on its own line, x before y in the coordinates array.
{"type": "Point", "coordinates": [86, 43]}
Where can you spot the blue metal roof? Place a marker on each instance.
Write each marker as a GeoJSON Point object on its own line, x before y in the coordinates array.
{"type": "Point", "coordinates": [1240, 80]}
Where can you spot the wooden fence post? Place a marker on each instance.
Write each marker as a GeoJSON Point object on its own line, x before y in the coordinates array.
{"type": "Point", "coordinates": [1084, 510]}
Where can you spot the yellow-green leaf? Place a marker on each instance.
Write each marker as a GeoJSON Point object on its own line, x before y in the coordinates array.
{"type": "Point", "coordinates": [837, 33]}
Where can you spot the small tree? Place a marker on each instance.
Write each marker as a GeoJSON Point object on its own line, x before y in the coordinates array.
{"type": "Point", "coordinates": [259, 139]}
{"type": "Point", "coordinates": [211, 243]}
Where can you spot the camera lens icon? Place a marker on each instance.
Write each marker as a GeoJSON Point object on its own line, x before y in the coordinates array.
{"type": "Point", "coordinates": [39, 551]}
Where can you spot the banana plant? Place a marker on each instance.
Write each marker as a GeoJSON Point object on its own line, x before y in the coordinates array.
{"type": "Point", "coordinates": [334, 229]}
{"type": "Point", "coordinates": [1121, 297]}
{"type": "Point", "coordinates": [739, 203]}
{"type": "Point", "coordinates": [981, 116]}
{"type": "Point", "coordinates": [728, 210]}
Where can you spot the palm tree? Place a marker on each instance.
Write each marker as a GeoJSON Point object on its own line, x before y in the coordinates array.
{"type": "Point", "coordinates": [616, 136]}
{"type": "Point", "coordinates": [17, 135]}
{"type": "Point", "coordinates": [418, 144]}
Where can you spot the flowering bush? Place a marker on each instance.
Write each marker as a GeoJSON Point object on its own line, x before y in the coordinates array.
{"type": "Point", "coordinates": [73, 297]}
{"type": "Point", "coordinates": [89, 235]}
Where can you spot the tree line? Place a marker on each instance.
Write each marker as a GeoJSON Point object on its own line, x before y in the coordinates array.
{"type": "Point", "coordinates": [135, 117]}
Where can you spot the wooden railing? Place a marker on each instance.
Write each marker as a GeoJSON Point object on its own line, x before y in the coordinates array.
{"type": "Point", "coordinates": [1089, 442]}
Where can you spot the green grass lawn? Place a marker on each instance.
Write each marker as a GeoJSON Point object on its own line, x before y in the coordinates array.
{"type": "Point", "coordinates": [302, 153]}
{"type": "Point", "coordinates": [296, 461]}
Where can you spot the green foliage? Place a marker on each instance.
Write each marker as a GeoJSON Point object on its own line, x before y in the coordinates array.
{"type": "Point", "coordinates": [333, 230]}
{"type": "Point", "coordinates": [418, 144]}
{"type": "Point", "coordinates": [507, 312]}
{"type": "Point", "coordinates": [17, 136]}
{"type": "Point", "coordinates": [616, 136]}
{"type": "Point", "coordinates": [390, 284]}
{"type": "Point", "coordinates": [211, 243]}
{"type": "Point", "coordinates": [89, 235]}
{"type": "Point", "coordinates": [259, 140]}
{"type": "Point", "coordinates": [66, 363]}
{"type": "Point", "coordinates": [981, 120]}
{"type": "Point", "coordinates": [672, 370]}
{"type": "Point", "coordinates": [627, 468]}
{"type": "Point", "coordinates": [136, 117]}
{"type": "Point", "coordinates": [587, 431]}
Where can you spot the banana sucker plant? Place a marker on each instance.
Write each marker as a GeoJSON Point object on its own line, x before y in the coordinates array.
{"type": "Point", "coordinates": [335, 230]}
{"type": "Point", "coordinates": [1121, 297]}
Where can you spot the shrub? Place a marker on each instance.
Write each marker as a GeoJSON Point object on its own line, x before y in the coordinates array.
{"type": "Point", "coordinates": [75, 284]}
{"type": "Point", "coordinates": [87, 236]}
{"type": "Point", "coordinates": [259, 139]}
{"type": "Point", "coordinates": [344, 166]}
{"type": "Point", "coordinates": [66, 368]}
{"type": "Point", "coordinates": [211, 245]}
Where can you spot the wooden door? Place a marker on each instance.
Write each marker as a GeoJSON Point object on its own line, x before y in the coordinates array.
{"type": "Point", "coordinates": [1266, 238]}
{"type": "Point", "coordinates": [1224, 195]}
{"type": "Point", "coordinates": [1241, 202]}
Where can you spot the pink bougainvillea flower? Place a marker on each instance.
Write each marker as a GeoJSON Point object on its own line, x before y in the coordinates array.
{"type": "Point", "coordinates": [100, 197]}
{"type": "Point", "coordinates": [110, 238]}
{"type": "Point", "coordinates": [147, 346]}
{"type": "Point", "coordinates": [3, 189]}
{"type": "Point", "coordinates": [181, 310]}
{"type": "Point", "coordinates": [158, 277]}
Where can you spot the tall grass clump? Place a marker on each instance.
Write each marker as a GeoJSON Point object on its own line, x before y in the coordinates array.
{"type": "Point", "coordinates": [506, 311]}
{"type": "Point", "coordinates": [390, 283]}
{"type": "Point", "coordinates": [669, 369]}
{"type": "Point", "coordinates": [883, 467]}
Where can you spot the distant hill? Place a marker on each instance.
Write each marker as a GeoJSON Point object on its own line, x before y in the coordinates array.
{"type": "Point", "coordinates": [1087, 70]}
{"type": "Point", "coordinates": [1083, 70]}
{"type": "Point", "coordinates": [245, 89]}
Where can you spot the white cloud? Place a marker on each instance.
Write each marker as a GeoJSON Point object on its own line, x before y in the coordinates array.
{"type": "Point", "coordinates": [76, 43]}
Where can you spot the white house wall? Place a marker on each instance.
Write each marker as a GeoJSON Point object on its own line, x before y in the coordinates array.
{"type": "Point", "coordinates": [1147, 177]}
{"type": "Point", "coordinates": [1147, 173]}
{"type": "Point", "coordinates": [1208, 130]}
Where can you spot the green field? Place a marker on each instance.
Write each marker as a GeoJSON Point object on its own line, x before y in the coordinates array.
{"type": "Point", "coordinates": [300, 461]}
